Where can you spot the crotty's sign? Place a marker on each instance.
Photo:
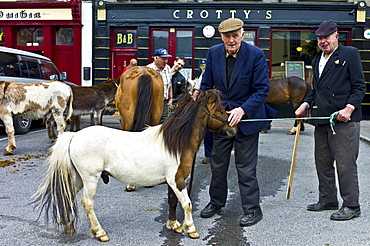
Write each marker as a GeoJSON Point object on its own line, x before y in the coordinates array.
{"type": "Point", "coordinates": [204, 14]}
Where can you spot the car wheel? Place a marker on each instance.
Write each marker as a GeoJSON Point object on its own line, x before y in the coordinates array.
{"type": "Point", "coordinates": [21, 125]}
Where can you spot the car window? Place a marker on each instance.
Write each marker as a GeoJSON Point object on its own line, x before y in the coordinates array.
{"type": "Point", "coordinates": [49, 71]}
{"type": "Point", "coordinates": [9, 65]}
{"type": "Point", "coordinates": [30, 67]}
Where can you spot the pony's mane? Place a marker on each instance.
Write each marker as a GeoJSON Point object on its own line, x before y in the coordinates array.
{"type": "Point", "coordinates": [178, 127]}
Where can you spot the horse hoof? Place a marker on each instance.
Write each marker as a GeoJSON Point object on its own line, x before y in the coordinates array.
{"type": "Point", "coordinates": [130, 188]}
{"type": "Point", "coordinates": [194, 235]}
{"type": "Point", "coordinates": [5, 152]}
{"type": "Point", "coordinates": [103, 238]}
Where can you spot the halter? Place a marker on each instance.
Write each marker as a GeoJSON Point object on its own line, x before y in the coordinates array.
{"type": "Point", "coordinates": [211, 116]}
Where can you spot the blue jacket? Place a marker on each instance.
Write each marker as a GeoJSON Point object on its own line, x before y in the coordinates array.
{"type": "Point", "coordinates": [248, 86]}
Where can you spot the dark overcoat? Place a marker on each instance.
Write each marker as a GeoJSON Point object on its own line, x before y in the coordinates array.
{"type": "Point", "coordinates": [342, 82]}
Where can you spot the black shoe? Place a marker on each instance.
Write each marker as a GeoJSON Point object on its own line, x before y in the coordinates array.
{"type": "Point", "coordinates": [209, 211]}
{"type": "Point", "coordinates": [346, 213]}
{"type": "Point", "coordinates": [206, 160]}
{"type": "Point", "coordinates": [320, 206]}
{"type": "Point", "coordinates": [251, 218]}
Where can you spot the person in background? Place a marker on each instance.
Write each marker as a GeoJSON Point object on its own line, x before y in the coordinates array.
{"type": "Point", "coordinates": [208, 138]}
{"type": "Point", "coordinates": [178, 81]}
{"type": "Point", "coordinates": [133, 62]}
{"type": "Point", "coordinates": [160, 65]}
{"type": "Point", "coordinates": [338, 86]}
{"type": "Point", "coordinates": [239, 70]}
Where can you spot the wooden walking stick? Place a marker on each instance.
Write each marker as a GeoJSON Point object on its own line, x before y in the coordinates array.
{"type": "Point", "coordinates": [298, 133]}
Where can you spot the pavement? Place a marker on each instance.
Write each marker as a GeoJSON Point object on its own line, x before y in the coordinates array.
{"type": "Point", "coordinates": [365, 131]}
{"type": "Point", "coordinates": [286, 221]}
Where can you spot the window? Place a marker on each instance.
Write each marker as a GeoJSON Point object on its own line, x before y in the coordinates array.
{"type": "Point", "coordinates": [64, 36]}
{"type": "Point", "coordinates": [30, 36]}
{"type": "Point", "coordinates": [296, 46]}
{"type": "Point", "coordinates": [178, 42]}
{"type": "Point", "coordinates": [1, 35]}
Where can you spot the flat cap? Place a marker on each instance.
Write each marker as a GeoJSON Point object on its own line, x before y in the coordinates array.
{"type": "Point", "coordinates": [231, 24]}
{"type": "Point", "coordinates": [326, 28]}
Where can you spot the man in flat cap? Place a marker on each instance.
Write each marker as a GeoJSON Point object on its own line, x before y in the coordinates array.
{"type": "Point", "coordinates": [338, 86]}
{"type": "Point", "coordinates": [239, 71]}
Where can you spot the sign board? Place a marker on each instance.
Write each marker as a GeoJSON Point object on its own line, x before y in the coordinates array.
{"type": "Point", "coordinates": [294, 68]}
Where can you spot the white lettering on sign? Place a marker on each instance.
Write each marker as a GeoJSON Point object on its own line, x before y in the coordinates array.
{"type": "Point", "coordinates": [189, 14]}
{"type": "Point", "coordinates": [204, 14]}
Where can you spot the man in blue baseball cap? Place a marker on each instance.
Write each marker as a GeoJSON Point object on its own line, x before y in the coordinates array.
{"type": "Point", "coordinates": [160, 65]}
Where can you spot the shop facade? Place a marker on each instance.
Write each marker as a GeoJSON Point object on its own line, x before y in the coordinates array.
{"type": "Point", "coordinates": [285, 31]}
{"type": "Point", "coordinates": [52, 29]}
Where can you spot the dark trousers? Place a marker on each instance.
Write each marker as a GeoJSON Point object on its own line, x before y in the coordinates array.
{"type": "Point", "coordinates": [246, 152]}
{"type": "Point", "coordinates": [164, 113]}
{"type": "Point", "coordinates": [208, 143]}
{"type": "Point", "coordinates": [342, 148]}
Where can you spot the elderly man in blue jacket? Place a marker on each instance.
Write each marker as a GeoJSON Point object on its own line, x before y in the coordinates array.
{"type": "Point", "coordinates": [239, 71]}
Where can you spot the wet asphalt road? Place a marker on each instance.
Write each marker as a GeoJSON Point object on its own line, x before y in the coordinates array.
{"type": "Point", "coordinates": [138, 218]}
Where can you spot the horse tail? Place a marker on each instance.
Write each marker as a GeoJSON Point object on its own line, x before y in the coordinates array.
{"type": "Point", "coordinates": [57, 193]}
{"type": "Point", "coordinates": [144, 100]}
{"type": "Point", "coordinates": [70, 108]}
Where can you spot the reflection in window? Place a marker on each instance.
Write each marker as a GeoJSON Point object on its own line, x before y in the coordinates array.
{"type": "Point", "coordinates": [184, 43]}
{"type": "Point", "coordinates": [295, 46]}
{"type": "Point", "coordinates": [160, 40]}
{"type": "Point", "coordinates": [64, 36]}
{"type": "Point", "coordinates": [249, 37]}
{"type": "Point", "coordinates": [30, 36]}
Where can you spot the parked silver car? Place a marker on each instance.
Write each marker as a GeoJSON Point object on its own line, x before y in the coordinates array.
{"type": "Point", "coordinates": [26, 67]}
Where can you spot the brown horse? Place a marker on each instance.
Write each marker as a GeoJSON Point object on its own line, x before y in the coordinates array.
{"type": "Point", "coordinates": [292, 89]}
{"type": "Point", "coordinates": [139, 98]}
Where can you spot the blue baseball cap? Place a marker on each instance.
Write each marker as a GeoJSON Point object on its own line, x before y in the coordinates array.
{"type": "Point", "coordinates": [161, 53]}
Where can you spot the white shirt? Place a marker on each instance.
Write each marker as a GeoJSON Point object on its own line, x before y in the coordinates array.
{"type": "Point", "coordinates": [166, 74]}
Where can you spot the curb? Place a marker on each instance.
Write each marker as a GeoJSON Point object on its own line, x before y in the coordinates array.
{"type": "Point", "coordinates": [365, 139]}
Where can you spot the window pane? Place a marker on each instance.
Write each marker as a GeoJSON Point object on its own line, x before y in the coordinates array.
{"type": "Point", "coordinates": [9, 65]}
{"type": "Point", "coordinates": [48, 69]}
{"type": "Point", "coordinates": [1, 34]}
{"type": "Point", "coordinates": [64, 36]}
{"type": "Point", "coordinates": [296, 46]}
{"type": "Point", "coordinates": [184, 43]}
{"type": "Point", "coordinates": [30, 36]}
{"type": "Point", "coordinates": [250, 37]}
{"type": "Point", "coordinates": [160, 40]}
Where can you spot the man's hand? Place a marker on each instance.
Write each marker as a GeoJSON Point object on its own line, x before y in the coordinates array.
{"type": "Point", "coordinates": [301, 110]}
{"type": "Point", "coordinates": [235, 116]}
{"type": "Point", "coordinates": [345, 114]}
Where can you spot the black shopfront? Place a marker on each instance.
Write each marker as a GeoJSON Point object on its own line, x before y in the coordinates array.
{"type": "Point", "coordinates": [285, 31]}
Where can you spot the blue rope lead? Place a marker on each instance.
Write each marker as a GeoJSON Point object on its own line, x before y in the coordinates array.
{"type": "Point", "coordinates": [330, 118]}
{"type": "Point", "coordinates": [332, 123]}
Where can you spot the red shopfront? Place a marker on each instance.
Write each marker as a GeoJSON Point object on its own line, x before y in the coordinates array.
{"type": "Point", "coordinates": [52, 29]}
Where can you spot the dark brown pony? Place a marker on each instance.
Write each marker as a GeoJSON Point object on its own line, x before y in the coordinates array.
{"type": "Point", "coordinates": [292, 89]}
{"type": "Point", "coordinates": [139, 98]}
